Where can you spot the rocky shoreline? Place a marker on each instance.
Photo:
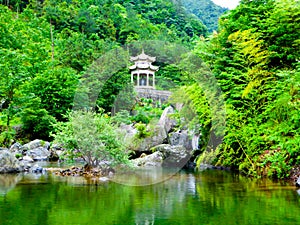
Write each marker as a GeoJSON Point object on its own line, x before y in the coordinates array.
{"type": "Point", "coordinates": [168, 147]}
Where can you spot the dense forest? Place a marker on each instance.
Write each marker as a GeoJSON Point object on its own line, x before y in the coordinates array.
{"type": "Point", "coordinates": [208, 12]}
{"type": "Point", "coordinates": [47, 46]}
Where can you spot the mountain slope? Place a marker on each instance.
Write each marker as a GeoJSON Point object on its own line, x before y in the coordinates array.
{"type": "Point", "coordinates": [207, 11]}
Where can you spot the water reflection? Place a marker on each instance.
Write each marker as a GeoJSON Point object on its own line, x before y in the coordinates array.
{"type": "Point", "coordinates": [145, 176]}
{"type": "Point", "coordinates": [8, 182]}
{"type": "Point", "coordinates": [208, 197]}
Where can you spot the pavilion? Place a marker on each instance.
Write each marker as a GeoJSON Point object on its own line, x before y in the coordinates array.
{"type": "Point", "coordinates": [143, 72]}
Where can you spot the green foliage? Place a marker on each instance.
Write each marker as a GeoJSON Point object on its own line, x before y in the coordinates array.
{"type": "Point", "coordinates": [146, 110]}
{"type": "Point", "coordinates": [18, 155]}
{"type": "Point", "coordinates": [7, 136]}
{"type": "Point", "coordinates": [117, 93]}
{"type": "Point", "coordinates": [259, 77]}
{"type": "Point", "coordinates": [195, 112]}
{"type": "Point", "coordinates": [141, 117]}
{"type": "Point", "coordinates": [23, 50]}
{"type": "Point", "coordinates": [142, 131]}
{"type": "Point", "coordinates": [36, 122]}
{"type": "Point", "coordinates": [276, 164]}
{"type": "Point", "coordinates": [121, 117]}
{"type": "Point", "coordinates": [55, 88]}
{"type": "Point", "coordinates": [48, 48]}
{"type": "Point", "coordinates": [169, 77]}
{"type": "Point", "coordinates": [171, 14]}
{"type": "Point", "coordinates": [93, 137]}
{"type": "Point", "coordinates": [206, 11]}
{"type": "Point", "coordinates": [283, 37]}
{"type": "Point", "coordinates": [207, 157]}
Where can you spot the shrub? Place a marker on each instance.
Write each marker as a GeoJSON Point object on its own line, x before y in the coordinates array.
{"type": "Point", "coordinates": [121, 117]}
{"type": "Point", "coordinates": [142, 131]}
{"type": "Point", "coordinates": [6, 137]}
{"type": "Point", "coordinates": [93, 137]}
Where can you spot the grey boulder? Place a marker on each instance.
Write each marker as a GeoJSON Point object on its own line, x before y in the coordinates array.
{"type": "Point", "coordinates": [174, 156]}
{"type": "Point", "coordinates": [9, 163]}
{"type": "Point", "coordinates": [38, 150]}
{"type": "Point", "coordinates": [16, 148]}
{"type": "Point", "coordinates": [153, 160]}
{"type": "Point", "coordinates": [165, 155]}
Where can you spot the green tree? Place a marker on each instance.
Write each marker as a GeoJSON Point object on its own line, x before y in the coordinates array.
{"type": "Point", "coordinates": [36, 121]}
{"type": "Point", "coordinates": [206, 11]}
{"type": "Point", "coordinates": [283, 32]}
{"type": "Point", "coordinates": [13, 74]}
{"type": "Point", "coordinates": [56, 89]}
{"type": "Point", "coordinates": [93, 137]}
{"type": "Point", "coordinates": [260, 83]}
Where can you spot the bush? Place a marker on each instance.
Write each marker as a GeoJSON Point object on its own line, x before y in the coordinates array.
{"type": "Point", "coordinates": [146, 110]}
{"type": "Point", "coordinates": [6, 137]}
{"type": "Point", "coordinates": [142, 131]}
{"type": "Point", "coordinates": [121, 117]}
{"type": "Point", "coordinates": [141, 117]}
{"type": "Point", "coordinates": [36, 122]}
{"type": "Point", "coordinates": [93, 137]}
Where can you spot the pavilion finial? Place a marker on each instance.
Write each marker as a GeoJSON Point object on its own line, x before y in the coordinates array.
{"type": "Point", "coordinates": [143, 52]}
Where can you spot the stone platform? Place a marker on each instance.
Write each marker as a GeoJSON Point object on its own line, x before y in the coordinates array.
{"type": "Point", "coordinates": [155, 95]}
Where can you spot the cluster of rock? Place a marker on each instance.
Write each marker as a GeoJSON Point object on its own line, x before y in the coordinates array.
{"type": "Point", "coordinates": [164, 155]}
{"type": "Point", "coordinates": [82, 171]}
{"type": "Point", "coordinates": [170, 148]}
{"type": "Point", "coordinates": [20, 158]}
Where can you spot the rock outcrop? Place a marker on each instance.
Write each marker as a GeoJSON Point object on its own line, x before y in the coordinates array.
{"type": "Point", "coordinates": [16, 148]}
{"type": "Point", "coordinates": [166, 121]}
{"type": "Point", "coordinates": [9, 163]}
{"type": "Point", "coordinates": [174, 156]}
{"type": "Point", "coordinates": [37, 150]}
{"type": "Point", "coordinates": [165, 155]}
{"type": "Point", "coordinates": [153, 160]}
{"type": "Point", "coordinates": [182, 137]}
{"type": "Point", "coordinates": [160, 131]}
{"type": "Point", "coordinates": [158, 137]}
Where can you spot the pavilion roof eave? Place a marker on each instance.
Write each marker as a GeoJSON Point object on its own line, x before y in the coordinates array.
{"type": "Point", "coordinates": [151, 67]}
{"type": "Point", "coordinates": [154, 68]}
{"type": "Point", "coordinates": [143, 57]}
{"type": "Point", "coordinates": [143, 71]}
{"type": "Point", "coordinates": [132, 67]}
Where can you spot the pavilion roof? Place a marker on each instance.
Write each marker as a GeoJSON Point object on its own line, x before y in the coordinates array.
{"type": "Point", "coordinates": [142, 57]}
{"type": "Point", "coordinates": [144, 66]}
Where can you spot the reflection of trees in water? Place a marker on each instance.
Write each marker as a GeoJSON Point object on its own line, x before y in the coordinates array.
{"type": "Point", "coordinates": [164, 197]}
{"type": "Point", "coordinates": [210, 197]}
{"type": "Point", "coordinates": [213, 196]}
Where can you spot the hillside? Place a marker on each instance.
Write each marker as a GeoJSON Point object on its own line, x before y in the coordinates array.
{"type": "Point", "coordinates": [46, 42]}
{"type": "Point", "coordinates": [47, 48]}
{"type": "Point", "coordinates": [206, 10]}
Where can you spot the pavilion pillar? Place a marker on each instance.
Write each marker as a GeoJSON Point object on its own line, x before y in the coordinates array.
{"type": "Point", "coordinates": [138, 79]}
{"type": "Point", "coordinates": [147, 79]}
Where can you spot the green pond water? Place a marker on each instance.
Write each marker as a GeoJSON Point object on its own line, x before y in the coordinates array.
{"type": "Point", "coordinates": [207, 197]}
